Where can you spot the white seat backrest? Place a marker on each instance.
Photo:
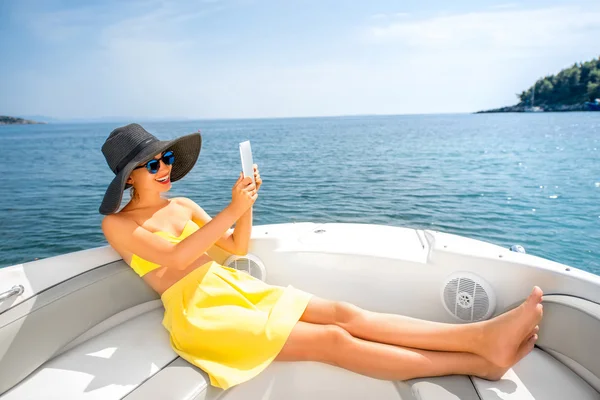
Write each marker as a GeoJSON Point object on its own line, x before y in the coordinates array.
{"type": "Point", "coordinates": [570, 330]}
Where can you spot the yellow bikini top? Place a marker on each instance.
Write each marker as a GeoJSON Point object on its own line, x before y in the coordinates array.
{"type": "Point", "coordinates": [142, 267]}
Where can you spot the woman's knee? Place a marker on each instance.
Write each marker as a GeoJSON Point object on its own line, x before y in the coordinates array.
{"type": "Point", "coordinates": [335, 341]}
{"type": "Point", "coordinates": [310, 342]}
{"type": "Point", "coordinates": [346, 313]}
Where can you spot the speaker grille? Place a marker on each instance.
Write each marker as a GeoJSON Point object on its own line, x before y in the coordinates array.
{"type": "Point", "coordinates": [249, 264]}
{"type": "Point", "coordinates": [468, 297]}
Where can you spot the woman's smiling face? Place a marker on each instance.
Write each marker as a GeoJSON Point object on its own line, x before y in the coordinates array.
{"type": "Point", "coordinates": [143, 180]}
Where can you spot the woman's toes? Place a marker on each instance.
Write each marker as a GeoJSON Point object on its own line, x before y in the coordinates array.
{"type": "Point", "coordinates": [535, 296]}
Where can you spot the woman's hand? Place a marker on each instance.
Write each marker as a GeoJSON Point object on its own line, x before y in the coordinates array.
{"type": "Point", "coordinates": [243, 194]}
{"type": "Point", "coordinates": [257, 178]}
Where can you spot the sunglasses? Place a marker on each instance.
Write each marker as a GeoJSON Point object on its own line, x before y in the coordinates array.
{"type": "Point", "coordinates": [168, 157]}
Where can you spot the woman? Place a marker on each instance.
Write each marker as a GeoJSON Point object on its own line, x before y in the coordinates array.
{"type": "Point", "coordinates": [233, 326]}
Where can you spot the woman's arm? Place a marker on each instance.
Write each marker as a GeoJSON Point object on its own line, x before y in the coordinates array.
{"type": "Point", "coordinates": [242, 232]}
{"type": "Point", "coordinates": [123, 233]}
{"type": "Point", "coordinates": [230, 240]}
{"type": "Point", "coordinates": [234, 241]}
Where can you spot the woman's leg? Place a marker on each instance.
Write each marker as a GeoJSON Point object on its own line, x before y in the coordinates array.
{"type": "Point", "coordinates": [497, 339]}
{"type": "Point", "coordinates": [333, 345]}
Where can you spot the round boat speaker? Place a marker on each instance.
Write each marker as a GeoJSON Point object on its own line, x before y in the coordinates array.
{"type": "Point", "coordinates": [249, 264]}
{"type": "Point", "coordinates": [468, 297]}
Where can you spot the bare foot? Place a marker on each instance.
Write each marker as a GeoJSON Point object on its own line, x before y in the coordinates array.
{"type": "Point", "coordinates": [495, 372]}
{"type": "Point", "coordinates": [502, 336]}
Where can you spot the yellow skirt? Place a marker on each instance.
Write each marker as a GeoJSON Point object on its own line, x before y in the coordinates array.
{"type": "Point", "coordinates": [228, 323]}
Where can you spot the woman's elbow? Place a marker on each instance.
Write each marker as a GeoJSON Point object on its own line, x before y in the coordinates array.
{"type": "Point", "coordinates": [177, 261]}
{"type": "Point", "coordinates": [241, 251]}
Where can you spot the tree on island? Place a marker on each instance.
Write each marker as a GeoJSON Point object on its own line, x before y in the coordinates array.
{"type": "Point", "coordinates": [574, 85]}
{"type": "Point", "coordinates": [6, 120]}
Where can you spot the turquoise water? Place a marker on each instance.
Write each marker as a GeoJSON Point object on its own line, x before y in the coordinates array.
{"type": "Point", "coordinates": [531, 179]}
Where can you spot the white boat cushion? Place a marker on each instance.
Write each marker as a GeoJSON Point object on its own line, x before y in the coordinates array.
{"type": "Point", "coordinates": [314, 381]}
{"type": "Point", "coordinates": [281, 380]}
{"type": "Point", "coordinates": [299, 380]}
{"type": "Point", "coordinates": [538, 376]}
{"type": "Point", "coordinates": [33, 331]}
{"type": "Point", "coordinates": [178, 380]}
{"type": "Point", "coordinates": [452, 387]}
{"type": "Point", "coordinates": [570, 328]}
{"type": "Point", "coordinates": [135, 358]}
{"type": "Point", "coordinates": [107, 366]}
{"type": "Point", "coordinates": [129, 356]}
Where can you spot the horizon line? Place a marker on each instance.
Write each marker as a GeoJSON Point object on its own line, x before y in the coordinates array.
{"type": "Point", "coordinates": [54, 120]}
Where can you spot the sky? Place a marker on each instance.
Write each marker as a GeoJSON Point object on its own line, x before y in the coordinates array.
{"type": "Point", "coordinates": [254, 59]}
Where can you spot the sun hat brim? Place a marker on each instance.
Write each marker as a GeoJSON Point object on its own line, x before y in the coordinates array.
{"type": "Point", "coordinates": [186, 149]}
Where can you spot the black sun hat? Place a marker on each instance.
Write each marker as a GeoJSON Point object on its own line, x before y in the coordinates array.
{"type": "Point", "coordinates": [128, 146]}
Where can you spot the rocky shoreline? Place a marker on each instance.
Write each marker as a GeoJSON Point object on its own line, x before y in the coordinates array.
{"type": "Point", "coordinates": [5, 120]}
{"type": "Point", "coordinates": [545, 108]}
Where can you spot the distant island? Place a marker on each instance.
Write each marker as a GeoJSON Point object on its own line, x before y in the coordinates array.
{"type": "Point", "coordinates": [5, 120]}
{"type": "Point", "coordinates": [576, 88]}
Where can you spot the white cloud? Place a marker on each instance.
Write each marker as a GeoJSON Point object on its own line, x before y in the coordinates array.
{"type": "Point", "coordinates": [480, 60]}
{"type": "Point", "coordinates": [147, 19]}
{"type": "Point", "coordinates": [504, 6]}
{"type": "Point", "coordinates": [495, 30]}
{"type": "Point", "coordinates": [383, 16]}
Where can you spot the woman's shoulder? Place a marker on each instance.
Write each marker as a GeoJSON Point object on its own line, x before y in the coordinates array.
{"type": "Point", "coordinates": [187, 203]}
{"type": "Point", "coordinates": [116, 228]}
{"type": "Point", "coordinates": [124, 221]}
{"type": "Point", "coordinates": [184, 201]}
{"type": "Point", "coordinates": [197, 212]}
{"type": "Point", "coordinates": [116, 222]}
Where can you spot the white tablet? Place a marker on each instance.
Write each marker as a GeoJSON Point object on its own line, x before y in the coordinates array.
{"type": "Point", "coordinates": [247, 163]}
